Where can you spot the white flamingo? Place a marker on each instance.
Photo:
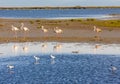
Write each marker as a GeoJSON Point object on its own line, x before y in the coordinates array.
{"type": "Point", "coordinates": [43, 29]}
{"type": "Point", "coordinates": [97, 29]}
{"type": "Point", "coordinates": [58, 30]}
{"type": "Point", "coordinates": [36, 59]}
{"type": "Point", "coordinates": [113, 68]}
{"type": "Point", "coordinates": [15, 29]}
{"type": "Point", "coordinates": [52, 59]}
{"type": "Point", "coordinates": [52, 56]}
{"type": "Point", "coordinates": [25, 29]}
{"type": "Point", "coordinates": [10, 66]}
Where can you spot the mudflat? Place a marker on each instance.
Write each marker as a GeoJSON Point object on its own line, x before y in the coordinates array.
{"type": "Point", "coordinates": [74, 30]}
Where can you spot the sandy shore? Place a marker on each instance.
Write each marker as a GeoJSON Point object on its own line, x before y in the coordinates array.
{"type": "Point", "coordinates": [73, 31]}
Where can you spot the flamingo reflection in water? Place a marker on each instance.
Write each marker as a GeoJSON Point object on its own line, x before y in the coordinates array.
{"type": "Point", "coordinates": [15, 30]}
{"type": "Point", "coordinates": [57, 47]}
{"type": "Point", "coordinates": [96, 47]}
{"type": "Point", "coordinates": [15, 49]}
{"type": "Point", "coordinates": [25, 48]}
{"type": "Point", "coordinates": [44, 46]}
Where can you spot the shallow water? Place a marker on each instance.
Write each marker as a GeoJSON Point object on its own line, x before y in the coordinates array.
{"type": "Point", "coordinates": [60, 13]}
{"type": "Point", "coordinates": [90, 65]}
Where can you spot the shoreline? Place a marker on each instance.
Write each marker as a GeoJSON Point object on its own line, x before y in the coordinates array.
{"type": "Point", "coordinates": [57, 7]}
{"type": "Point", "coordinates": [74, 30]}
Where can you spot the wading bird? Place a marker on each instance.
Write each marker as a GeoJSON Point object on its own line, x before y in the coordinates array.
{"type": "Point", "coordinates": [97, 29]}
{"type": "Point", "coordinates": [15, 29]}
{"type": "Point", "coordinates": [25, 29]}
{"type": "Point", "coordinates": [43, 29]}
{"type": "Point", "coordinates": [36, 59]}
{"type": "Point", "coordinates": [10, 67]}
{"type": "Point", "coordinates": [52, 56]}
{"type": "Point", "coordinates": [58, 30]}
{"type": "Point", "coordinates": [52, 59]}
{"type": "Point", "coordinates": [113, 68]}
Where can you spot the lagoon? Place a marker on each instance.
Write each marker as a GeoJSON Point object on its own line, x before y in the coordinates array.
{"type": "Point", "coordinates": [90, 65]}
{"type": "Point", "coordinates": [97, 13]}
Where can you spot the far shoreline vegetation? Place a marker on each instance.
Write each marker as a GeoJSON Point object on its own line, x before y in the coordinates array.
{"type": "Point", "coordinates": [67, 7]}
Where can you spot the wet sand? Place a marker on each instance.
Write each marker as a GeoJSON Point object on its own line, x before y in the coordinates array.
{"type": "Point", "coordinates": [73, 31]}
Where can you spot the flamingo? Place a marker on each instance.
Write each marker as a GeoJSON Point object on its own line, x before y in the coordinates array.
{"type": "Point", "coordinates": [52, 56]}
{"type": "Point", "coordinates": [58, 30]}
{"type": "Point", "coordinates": [25, 29]}
{"type": "Point", "coordinates": [97, 29]}
{"type": "Point", "coordinates": [36, 59]}
{"type": "Point", "coordinates": [52, 59]}
{"type": "Point", "coordinates": [10, 66]}
{"type": "Point", "coordinates": [113, 68]}
{"type": "Point", "coordinates": [43, 29]}
{"type": "Point", "coordinates": [15, 29]}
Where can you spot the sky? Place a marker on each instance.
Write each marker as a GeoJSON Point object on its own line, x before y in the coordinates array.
{"type": "Point", "coordinates": [22, 3]}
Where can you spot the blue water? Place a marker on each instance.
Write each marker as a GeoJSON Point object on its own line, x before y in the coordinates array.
{"type": "Point", "coordinates": [59, 13]}
{"type": "Point", "coordinates": [66, 69]}
{"type": "Point", "coordinates": [89, 66]}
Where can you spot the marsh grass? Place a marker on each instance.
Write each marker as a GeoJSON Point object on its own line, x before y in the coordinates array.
{"type": "Point", "coordinates": [103, 23]}
{"type": "Point", "coordinates": [38, 27]}
{"type": "Point", "coordinates": [31, 22]}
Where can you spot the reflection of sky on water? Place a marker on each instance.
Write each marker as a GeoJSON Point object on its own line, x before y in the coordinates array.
{"type": "Point", "coordinates": [37, 48]}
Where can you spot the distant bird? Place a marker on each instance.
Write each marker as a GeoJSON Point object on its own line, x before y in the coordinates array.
{"type": "Point", "coordinates": [113, 68]}
{"type": "Point", "coordinates": [24, 28]}
{"type": "Point", "coordinates": [36, 58]}
{"type": "Point", "coordinates": [97, 29]}
{"type": "Point", "coordinates": [58, 30]}
{"type": "Point", "coordinates": [43, 29]}
{"type": "Point", "coordinates": [10, 67]}
{"type": "Point", "coordinates": [52, 56]}
{"type": "Point", "coordinates": [15, 29]}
